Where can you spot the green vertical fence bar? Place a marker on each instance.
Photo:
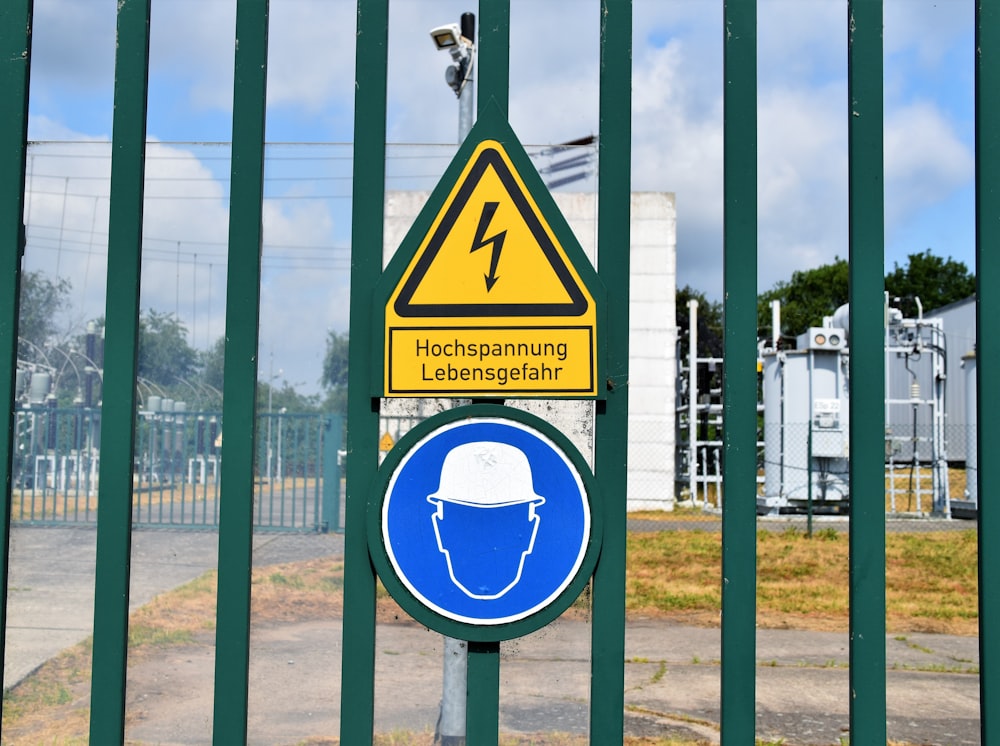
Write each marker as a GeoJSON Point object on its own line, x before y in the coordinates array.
{"type": "Point", "coordinates": [482, 726]}
{"type": "Point", "coordinates": [611, 426]}
{"type": "Point", "coordinates": [15, 59]}
{"type": "Point", "coordinates": [240, 370]}
{"type": "Point", "coordinates": [357, 697]}
{"type": "Point", "coordinates": [493, 53]}
{"type": "Point", "coordinates": [867, 373]}
{"type": "Point", "coordinates": [482, 709]}
{"type": "Point", "coordinates": [988, 356]}
{"type": "Point", "coordinates": [739, 397]}
{"type": "Point", "coordinates": [114, 510]}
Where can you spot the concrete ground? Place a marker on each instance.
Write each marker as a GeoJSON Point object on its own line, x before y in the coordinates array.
{"type": "Point", "coordinates": [671, 671]}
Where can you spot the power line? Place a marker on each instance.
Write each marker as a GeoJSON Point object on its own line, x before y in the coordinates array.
{"type": "Point", "coordinates": [186, 242]}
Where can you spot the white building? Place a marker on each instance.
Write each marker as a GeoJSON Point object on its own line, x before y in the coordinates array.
{"type": "Point", "coordinates": [652, 340]}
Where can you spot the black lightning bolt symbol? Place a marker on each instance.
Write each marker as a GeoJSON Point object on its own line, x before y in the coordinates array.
{"type": "Point", "coordinates": [489, 210]}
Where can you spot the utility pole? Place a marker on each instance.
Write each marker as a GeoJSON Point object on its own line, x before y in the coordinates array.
{"type": "Point", "coordinates": [459, 41]}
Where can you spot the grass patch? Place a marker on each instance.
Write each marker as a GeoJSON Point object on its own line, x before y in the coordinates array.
{"type": "Point", "coordinates": [545, 739]}
{"type": "Point", "coordinates": [931, 582]}
{"type": "Point", "coordinates": [51, 705]}
{"type": "Point", "coordinates": [680, 513]}
{"type": "Point", "coordinates": [404, 738]}
{"type": "Point", "coordinates": [931, 586]}
{"type": "Point", "coordinates": [802, 582]}
{"type": "Point", "coordinates": [908, 489]}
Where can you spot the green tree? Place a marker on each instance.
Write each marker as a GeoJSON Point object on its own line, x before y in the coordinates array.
{"type": "Point", "coordinates": [285, 397]}
{"type": "Point", "coordinates": [212, 362]}
{"type": "Point", "coordinates": [814, 293]}
{"type": "Point", "coordinates": [710, 331]}
{"type": "Point", "coordinates": [335, 371]}
{"type": "Point", "coordinates": [935, 281]}
{"type": "Point", "coordinates": [810, 295]}
{"type": "Point", "coordinates": [41, 300]}
{"type": "Point", "coordinates": [164, 353]}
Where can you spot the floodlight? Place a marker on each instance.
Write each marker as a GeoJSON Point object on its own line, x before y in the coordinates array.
{"type": "Point", "coordinates": [447, 36]}
{"type": "Point", "coordinates": [456, 39]}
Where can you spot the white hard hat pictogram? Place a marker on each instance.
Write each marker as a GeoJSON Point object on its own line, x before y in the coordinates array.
{"type": "Point", "coordinates": [486, 474]}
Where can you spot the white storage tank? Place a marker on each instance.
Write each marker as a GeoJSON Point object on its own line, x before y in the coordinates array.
{"type": "Point", "coordinates": [806, 426]}
{"type": "Point", "coordinates": [969, 505]}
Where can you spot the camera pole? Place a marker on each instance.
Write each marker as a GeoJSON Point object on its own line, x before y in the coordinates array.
{"type": "Point", "coordinates": [450, 729]}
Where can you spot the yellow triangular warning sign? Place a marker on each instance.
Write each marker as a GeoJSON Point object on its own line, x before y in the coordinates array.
{"type": "Point", "coordinates": [486, 296]}
{"type": "Point", "coordinates": [490, 253]}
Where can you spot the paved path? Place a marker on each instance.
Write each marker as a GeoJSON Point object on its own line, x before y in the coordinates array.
{"type": "Point", "coordinates": [51, 584]}
{"type": "Point", "coordinates": [672, 671]}
{"type": "Point", "coordinates": [671, 679]}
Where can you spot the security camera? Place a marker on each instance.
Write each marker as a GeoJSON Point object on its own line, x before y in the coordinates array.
{"type": "Point", "coordinates": [448, 36]}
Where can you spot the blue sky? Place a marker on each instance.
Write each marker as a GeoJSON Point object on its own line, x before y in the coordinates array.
{"type": "Point", "coordinates": [677, 138]}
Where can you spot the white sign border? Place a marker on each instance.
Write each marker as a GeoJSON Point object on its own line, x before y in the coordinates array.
{"type": "Point", "coordinates": [577, 563]}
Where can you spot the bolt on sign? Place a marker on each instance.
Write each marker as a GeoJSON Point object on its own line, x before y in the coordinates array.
{"type": "Point", "coordinates": [490, 294]}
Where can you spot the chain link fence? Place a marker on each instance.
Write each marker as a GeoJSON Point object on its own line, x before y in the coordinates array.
{"type": "Point", "coordinates": [805, 467]}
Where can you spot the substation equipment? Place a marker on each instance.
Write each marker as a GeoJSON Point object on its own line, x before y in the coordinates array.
{"type": "Point", "coordinates": [804, 420]}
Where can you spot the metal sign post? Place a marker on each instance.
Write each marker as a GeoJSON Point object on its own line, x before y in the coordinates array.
{"type": "Point", "coordinates": [490, 297]}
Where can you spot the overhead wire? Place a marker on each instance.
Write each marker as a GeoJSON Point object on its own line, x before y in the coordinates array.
{"type": "Point", "coordinates": [275, 256]}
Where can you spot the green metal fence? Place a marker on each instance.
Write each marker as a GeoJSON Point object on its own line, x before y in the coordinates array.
{"type": "Point", "coordinates": [116, 473]}
{"type": "Point", "coordinates": [176, 472]}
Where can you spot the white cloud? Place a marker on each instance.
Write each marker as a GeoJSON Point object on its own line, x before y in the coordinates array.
{"type": "Point", "coordinates": [297, 310]}
{"type": "Point", "coordinates": [801, 42]}
{"type": "Point", "coordinates": [185, 227]}
{"type": "Point", "coordinates": [802, 178]}
{"type": "Point", "coordinates": [677, 126]}
{"type": "Point", "coordinates": [66, 217]}
{"type": "Point", "coordinates": [42, 127]}
{"type": "Point", "coordinates": [305, 293]}
{"type": "Point", "coordinates": [925, 161]}
{"type": "Point", "coordinates": [929, 28]}
{"type": "Point", "coordinates": [677, 147]}
{"type": "Point", "coordinates": [185, 233]}
{"type": "Point", "coordinates": [73, 45]}
{"type": "Point", "coordinates": [192, 43]}
{"type": "Point", "coordinates": [311, 55]}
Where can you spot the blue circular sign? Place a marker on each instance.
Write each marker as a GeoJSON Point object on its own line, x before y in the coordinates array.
{"type": "Point", "coordinates": [485, 520]}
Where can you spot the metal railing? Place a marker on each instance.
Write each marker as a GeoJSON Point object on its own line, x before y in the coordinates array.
{"type": "Point", "coordinates": [176, 474]}
{"type": "Point", "coordinates": [117, 471]}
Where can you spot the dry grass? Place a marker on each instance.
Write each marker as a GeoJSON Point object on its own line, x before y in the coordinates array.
{"type": "Point", "coordinates": [405, 738]}
{"type": "Point", "coordinates": [931, 581]}
{"type": "Point", "coordinates": [931, 586]}
{"type": "Point", "coordinates": [47, 503]}
{"type": "Point", "coordinates": [52, 705]}
{"type": "Point", "coordinates": [913, 489]}
{"type": "Point", "coordinates": [906, 491]}
{"type": "Point", "coordinates": [682, 514]}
